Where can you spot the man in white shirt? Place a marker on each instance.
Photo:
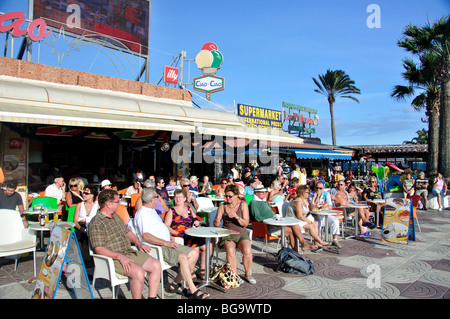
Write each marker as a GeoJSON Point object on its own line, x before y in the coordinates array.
{"type": "Point", "coordinates": [56, 190]}
{"type": "Point", "coordinates": [321, 199]}
{"type": "Point", "coordinates": [151, 229]}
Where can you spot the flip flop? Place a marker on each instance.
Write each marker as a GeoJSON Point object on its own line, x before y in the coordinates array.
{"type": "Point", "coordinates": [198, 294]}
{"type": "Point", "coordinates": [176, 288]}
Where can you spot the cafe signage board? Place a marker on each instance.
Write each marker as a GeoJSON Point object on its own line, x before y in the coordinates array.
{"type": "Point", "coordinates": [398, 221]}
{"type": "Point", "coordinates": [298, 121]}
{"type": "Point", "coordinates": [62, 255]}
{"type": "Point", "coordinates": [209, 83]}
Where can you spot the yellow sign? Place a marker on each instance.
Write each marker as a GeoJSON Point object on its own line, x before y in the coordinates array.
{"type": "Point", "coordinates": [260, 117]}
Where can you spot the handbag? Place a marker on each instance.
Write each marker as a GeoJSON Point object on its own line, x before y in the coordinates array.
{"type": "Point", "coordinates": [227, 277]}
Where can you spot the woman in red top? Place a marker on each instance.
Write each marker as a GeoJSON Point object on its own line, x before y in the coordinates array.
{"type": "Point", "coordinates": [182, 217]}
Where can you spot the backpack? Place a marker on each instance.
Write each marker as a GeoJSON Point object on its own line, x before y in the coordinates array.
{"type": "Point", "coordinates": [292, 262]}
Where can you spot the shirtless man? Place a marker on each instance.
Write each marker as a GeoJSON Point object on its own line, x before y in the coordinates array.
{"type": "Point", "coordinates": [341, 199]}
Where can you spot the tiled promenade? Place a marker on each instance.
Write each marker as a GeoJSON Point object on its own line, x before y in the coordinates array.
{"type": "Point", "coordinates": [419, 270]}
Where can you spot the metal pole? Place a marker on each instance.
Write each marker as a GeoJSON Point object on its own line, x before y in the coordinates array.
{"type": "Point", "coordinates": [181, 83]}
{"type": "Point", "coordinates": [30, 18]}
{"type": "Point", "coordinates": [147, 61]}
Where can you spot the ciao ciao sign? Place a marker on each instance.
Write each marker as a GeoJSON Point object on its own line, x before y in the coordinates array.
{"type": "Point", "coordinates": [36, 30]}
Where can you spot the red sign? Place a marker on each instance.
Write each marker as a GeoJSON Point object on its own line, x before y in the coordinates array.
{"type": "Point", "coordinates": [17, 19]}
{"type": "Point", "coordinates": [170, 75]}
{"type": "Point", "coordinates": [15, 143]}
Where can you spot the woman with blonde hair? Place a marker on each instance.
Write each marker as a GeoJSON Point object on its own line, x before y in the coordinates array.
{"type": "Point", "coordinates": [301, 211]}
{"type": "Point", "coordinates": [74, 196]}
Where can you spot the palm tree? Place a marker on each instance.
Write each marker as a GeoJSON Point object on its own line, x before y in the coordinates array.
{"type": "Point", "coordinates": [435, 39]}
{"type": "Point", "coordinates": [334, 84]}
{"type": "Point", "coordinates": [423, 78]}
{"type": "Point", "coordinates": [422, 138]}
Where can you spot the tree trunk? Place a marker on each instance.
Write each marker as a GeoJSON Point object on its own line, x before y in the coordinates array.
{"type": "Point", "coordinates": [444, 130]}
{"type": "Point", "coordinates": [433, 137]}
{"type": "Point", "coordinates": [333, 130]}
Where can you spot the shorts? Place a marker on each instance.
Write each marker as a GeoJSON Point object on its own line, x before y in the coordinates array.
{"type": "Point", "coordinates": [422, 192]}
{"type": "Point", "coordinates": [234, 238]}
{"type": "Point", "coordinates": [436, 191]}
{"type": "Point", "coordinates": [138, 258]}
{"type": "Point", "coordinates": [171, 255]}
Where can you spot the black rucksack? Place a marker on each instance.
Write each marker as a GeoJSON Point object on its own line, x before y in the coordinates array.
{"type": "Point", "coordinates": [292, 262]}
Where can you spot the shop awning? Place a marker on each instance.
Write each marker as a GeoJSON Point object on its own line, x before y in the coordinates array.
{"type": "Point", "coordinates": [320, 154]}
{"type": "Point", "coordinates": [33, 102]}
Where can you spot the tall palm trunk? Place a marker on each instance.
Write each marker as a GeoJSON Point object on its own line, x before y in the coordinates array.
{"type": "Point", "coordinates": [444, 130]}
{"type": "Point", "coordinates": [433, 136]}
{"type": "Point", "coordinates": [333, 129]}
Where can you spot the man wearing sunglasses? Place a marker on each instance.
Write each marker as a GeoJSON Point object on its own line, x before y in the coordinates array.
{"type": "Point", "coordinates": [109, 236]}
{"type": "Point", "coordinates": [321, 199]}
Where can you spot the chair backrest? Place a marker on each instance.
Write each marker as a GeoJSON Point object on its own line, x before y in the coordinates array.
{"type": "Point", "coordinates": [71, 213]}
{"type": "Point", "coordinates": [45, 201]}
{"type": "Point", "coordinates": [122, 191]}
{"type": "Point", "coordinates": [134, 198]}
{"type": "Point", "coordinates": [11, 226]}
{"type": "Point", "coordinates": [122, 211]}
{"type": "Point", "coordinates": [248, 198]}
{"type": "Point", "coordinates": [260, 230]}
{"type": "Point", "coordinates": [415, 200]}
{"type": "Point", "coordinates": [204, 202]}
{"type": "Point", "coordinates": [42, 194]}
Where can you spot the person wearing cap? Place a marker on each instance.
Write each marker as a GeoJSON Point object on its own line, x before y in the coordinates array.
{"type": "Point", "coordinates": [106, 184]}
{"type": "Point", "coordinates": [421, 186]}
{"type": "Point", "coordinates": [260, 209]}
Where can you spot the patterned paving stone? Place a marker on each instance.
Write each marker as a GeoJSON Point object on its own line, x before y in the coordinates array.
{"type": "Point", "coordinates": [424, 290]}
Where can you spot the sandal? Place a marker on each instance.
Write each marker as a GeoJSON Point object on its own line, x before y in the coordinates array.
{"type": "Point", "coordinates": [198, 294]}
{"type": "Point", "coordinates": [201, 274]}
{"type": "Point", "coordinates": [175, 288]}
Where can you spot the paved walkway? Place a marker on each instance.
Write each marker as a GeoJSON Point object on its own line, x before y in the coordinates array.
{"type": "Point", "coordinates": [419, 270]}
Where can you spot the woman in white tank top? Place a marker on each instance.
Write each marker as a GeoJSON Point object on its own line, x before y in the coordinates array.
{"type": "Point", "coordinates": [301, 211]}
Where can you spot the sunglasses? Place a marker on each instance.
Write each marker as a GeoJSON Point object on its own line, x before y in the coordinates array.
{"type": "Point", "coordinates": [87, 193]}
{"type": "Point", "coordinates": [73, 185]}
{"type": "Point", "coordinates": [319, 187]}
{"type": "Point", "coordinates": [229, 196]}
{"type": "Point", "coordinates": [186, 185]}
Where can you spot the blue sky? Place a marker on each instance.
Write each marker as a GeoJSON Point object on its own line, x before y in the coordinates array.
{"type": "Point", "coordinates": [271, 52]}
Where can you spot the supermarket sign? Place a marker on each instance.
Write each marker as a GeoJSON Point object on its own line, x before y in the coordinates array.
{"type": "Point", "coordinates": [209, 83]}
{"type": "Point", "coordinates": [260, 117]}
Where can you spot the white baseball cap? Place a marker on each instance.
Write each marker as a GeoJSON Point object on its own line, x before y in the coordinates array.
{"type": "Point", "coordinates": [105, 182]}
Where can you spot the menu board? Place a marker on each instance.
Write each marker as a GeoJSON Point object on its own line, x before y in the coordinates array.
{"type": "Point", "coordinates": [14, 159]}
{"type": "Point", "coordinates": [398, 225]}
{"type": "Point", "coordinates": [62, 250]}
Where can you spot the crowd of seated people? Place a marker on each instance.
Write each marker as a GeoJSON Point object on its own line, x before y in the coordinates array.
{"type": "Point", "coordinates": [174, 206]}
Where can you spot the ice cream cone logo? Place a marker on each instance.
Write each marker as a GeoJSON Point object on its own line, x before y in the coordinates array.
{"type": "Point", "coordinates": [209, 59]}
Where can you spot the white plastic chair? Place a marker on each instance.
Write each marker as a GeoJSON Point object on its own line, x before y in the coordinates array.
{"type": "Point", "coordinates": [156, 252]}
{"type": "Point", "coordinates": [204, 202]}
{"type": "Point", "coordinates": [104, 268]}
{"type": "Point", "coordinates": [15, 239]}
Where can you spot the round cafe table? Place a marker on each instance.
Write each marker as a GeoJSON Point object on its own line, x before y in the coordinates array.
{"type": "Point", "coordinates": [282, 222]}
{"type": "Point", "coordinates": [208, 233]}
{"type": "Point", "coordinates": [377, 202]}
{"type": "Point", "coordinates": [48, 227]}
{"type": "Point", "coordinates": [325, 213]}
{"type": "Point", "coordinates": [356, 206]}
